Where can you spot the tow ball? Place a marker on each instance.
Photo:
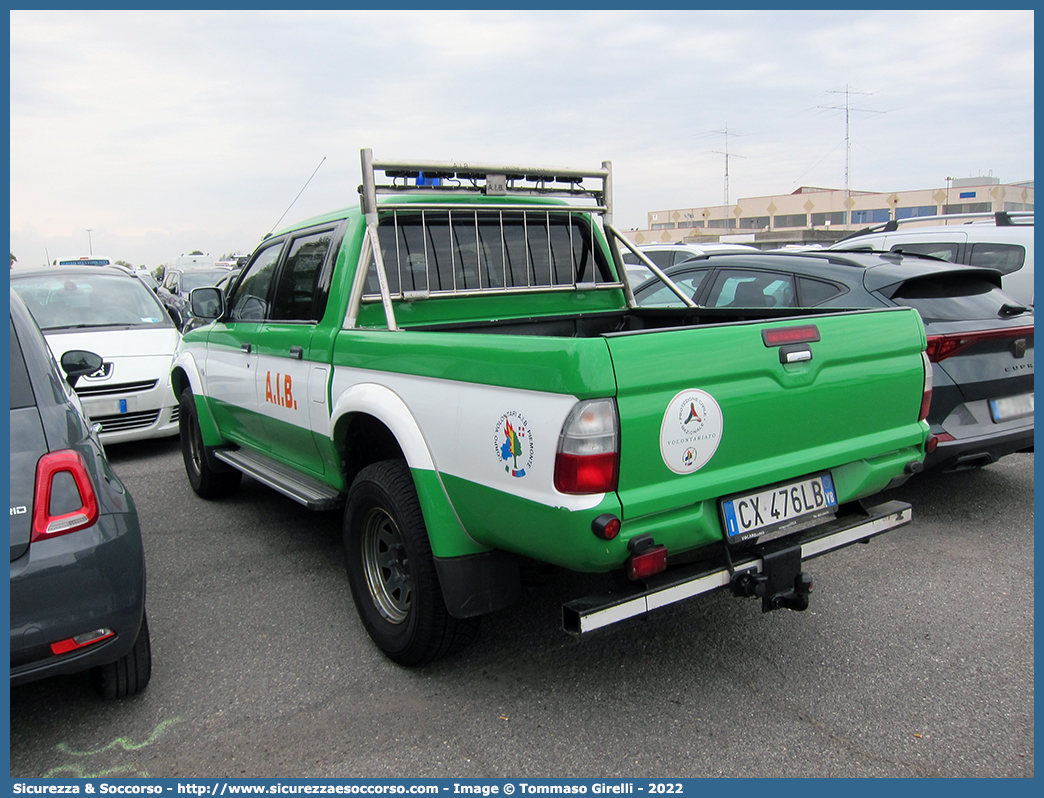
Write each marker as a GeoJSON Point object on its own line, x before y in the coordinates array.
{"type": "Point", "coordinates": [780, 585]}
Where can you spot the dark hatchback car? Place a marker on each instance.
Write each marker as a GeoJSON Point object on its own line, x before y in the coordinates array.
{"type": "Point", "coordinates": [980, 340]}
{"type": "Point", "coordinates": [77, 561]}
{"type": "Point", "coordinates": [178, 282]}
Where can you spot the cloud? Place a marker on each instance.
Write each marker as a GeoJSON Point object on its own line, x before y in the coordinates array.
{"type": "Point", "coordinates": [166, 131]}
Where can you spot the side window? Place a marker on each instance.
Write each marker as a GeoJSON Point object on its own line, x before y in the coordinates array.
{"type": "Point", "coordinates": [250, 301]}
{"type": "Point", "coordinates": [738, 288]}
{"type": "Point", "coordinates": [942, 249]}
{"type": "Point", "coordinates": [1006, 258]}
{"type": "Point", "coordinates": [813, 292]}
{"type": "Point", "coordinates": [296, 290]}
{"type": "Point", "coordinates": [661, 257]}
{"type": "Point", "coordinates": [659, 295]}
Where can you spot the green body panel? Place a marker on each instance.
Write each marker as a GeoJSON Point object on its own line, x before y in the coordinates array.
{"type": "Point", "coordinates": [849, 403]}
{"type": "Point", "coordinates": [448, 538]}
{"type": "Point", "coordinates": [550, 534]}
{"type": "Point", "coordinates": [576, 366]}
{"type": "Point", "coordinates": [291, 443]}
{"type": "Point", "coordinates": [517, 305]}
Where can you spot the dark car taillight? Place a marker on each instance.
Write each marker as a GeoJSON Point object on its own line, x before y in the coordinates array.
{"type": "Point", "coordinates": [588, 456]}
{"type": "Point", "coordinates": [51, 470]}
{"type": "Point", "coordinates": [941, 347]}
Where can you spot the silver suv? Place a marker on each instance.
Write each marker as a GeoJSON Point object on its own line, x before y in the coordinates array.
{"type": "Point", "coordinates": [1001, 241]}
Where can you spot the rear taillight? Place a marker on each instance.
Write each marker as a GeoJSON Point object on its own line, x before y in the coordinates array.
{"type": "Point", "coordinates": [926, 395]}
{"type": "Point", "coordinates": [588, 452]}
{"type": "Point", "coordinates": [61, 477]}
{"type": "Point", "coordinates": [941, 347]}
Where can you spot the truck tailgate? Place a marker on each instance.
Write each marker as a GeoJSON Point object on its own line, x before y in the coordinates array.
{"type": "Point", "coordinates": [711, 410]}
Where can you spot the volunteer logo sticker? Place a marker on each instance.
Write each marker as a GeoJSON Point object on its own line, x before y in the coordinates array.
{"type": "Point", "coordinates": [514, 444]}
{"type": "Point", "coordinates": [690, 432]}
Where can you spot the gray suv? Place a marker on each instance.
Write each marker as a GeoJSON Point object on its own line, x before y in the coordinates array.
{"type": "Point", "coordinates": [77, 561]}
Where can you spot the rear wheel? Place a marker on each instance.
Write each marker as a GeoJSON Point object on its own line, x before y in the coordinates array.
{"type": "Point", "coordinates": [130, 674]}
{"type": "Point", "coordinates": [391, 569]}
{"type": "Point", "coordinates": [207, 481]}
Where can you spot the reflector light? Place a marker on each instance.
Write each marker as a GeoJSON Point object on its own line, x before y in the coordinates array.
{"type": "Point", "coordinates": [778, 336]}
{"type": "Point", "coordinates": [81, 641]}
{"type": "Point", "coordinates": [941, 347]}
{"type": "Point", "coordinates": [48, 467]}
{"type": "Point", "coordinates": [641, 566]}
{"type": "Point", "coordinates": [931, 444]}
{"type": "Point", "coordinates": [606, 526]}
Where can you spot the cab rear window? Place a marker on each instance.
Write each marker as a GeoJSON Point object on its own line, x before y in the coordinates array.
{"type": "Point", "coordinates": [952, 297]}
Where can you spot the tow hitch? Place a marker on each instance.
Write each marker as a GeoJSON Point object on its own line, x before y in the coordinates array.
{"type": "Point", "coordinates": [780, 585]}
{"type": "Point", "coordinates": [770, 571]}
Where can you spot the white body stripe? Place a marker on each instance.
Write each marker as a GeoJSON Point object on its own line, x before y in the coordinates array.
{"type": "Point", "coordinates": [458, 426]}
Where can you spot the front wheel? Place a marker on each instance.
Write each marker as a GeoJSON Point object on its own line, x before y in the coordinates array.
{"type": "Point", "coordinates": [391, 570]}
{"type": "Point", "coordinates": [207, 481]}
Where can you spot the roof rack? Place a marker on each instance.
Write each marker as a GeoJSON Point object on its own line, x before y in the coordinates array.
{"type": "Point", "coordinates": [999, 218]}
{"type": "Point", "coordinates": [491, 180]}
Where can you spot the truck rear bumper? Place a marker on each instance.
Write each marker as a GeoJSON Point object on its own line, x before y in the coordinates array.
{"type": "Point", "coordinates": [585, 615]}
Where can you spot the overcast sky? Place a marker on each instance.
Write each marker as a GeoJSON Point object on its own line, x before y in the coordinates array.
{"type": "Point", "coordinates": [165, 132]}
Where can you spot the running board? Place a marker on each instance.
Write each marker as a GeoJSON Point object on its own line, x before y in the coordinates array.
{"type": "Point", "coordinates": [596, 612]}
{"type": "Point", "coordinates": [312, 493]}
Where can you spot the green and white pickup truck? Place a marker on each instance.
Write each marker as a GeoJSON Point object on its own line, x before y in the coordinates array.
{"type": "Point", "coordinates": [463, 367]}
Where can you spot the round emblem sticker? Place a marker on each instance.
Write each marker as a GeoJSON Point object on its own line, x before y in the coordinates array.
{"type": "Point", "coordinates": [690, 432]}
{"type": "Point", "coordinates": [513, 444]}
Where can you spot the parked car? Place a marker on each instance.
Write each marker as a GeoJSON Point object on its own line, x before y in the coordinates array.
{"type": "Point", "coordinates": [224, 285]}
{"type": "Point", "coordinates": [178, 281]}
{"type": "Point", "coordinates": [980, 340]}
{"type": "Point", "coordinates": [1002, 241]}
{"type": "Point", "coordinates": [108, 310]}
{"type": "Point", "coordinates": [666, 255]}
{"type": "Point", "coordinates": [77, 560]}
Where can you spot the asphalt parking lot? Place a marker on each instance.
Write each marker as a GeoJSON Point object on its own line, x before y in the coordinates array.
{"type": "Point", "coordinates": [915, 659]}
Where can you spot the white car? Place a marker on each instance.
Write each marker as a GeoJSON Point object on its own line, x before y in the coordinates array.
{"type": "Point", "coordinates": [1002, 241]}
{"type": "Point", "coordinates": [108, 310]}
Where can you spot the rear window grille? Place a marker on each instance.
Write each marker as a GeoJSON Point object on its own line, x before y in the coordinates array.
{"type": "Point", "coordinates": [126, 421]}
{"type": "Point", "coordinates": [111, 390]}
{"type": "Point", "coordinates": [454, 252]}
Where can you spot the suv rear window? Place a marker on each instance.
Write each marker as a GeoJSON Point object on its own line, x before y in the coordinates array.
{"type": "Point", "coordinates": [952, 297]}
{"type": "Point", "coordinates": [1006, 258]}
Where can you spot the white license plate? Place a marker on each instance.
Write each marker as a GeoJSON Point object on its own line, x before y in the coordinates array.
{"type": "Point", "coordinates": [1011, 407]}
{"type": "Point", "coordinates": [770, 509]}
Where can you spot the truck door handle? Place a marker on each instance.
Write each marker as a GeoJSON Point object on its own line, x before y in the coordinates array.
{"type": "Point", "coordinates": [297, 353]}
{"type": "Point", "coordinates": [245, 346]}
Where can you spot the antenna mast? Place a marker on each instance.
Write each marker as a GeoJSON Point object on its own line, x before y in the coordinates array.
{"type": "Point", "coordinates": [847, 108]}
{"type": "Point", "coordinates": [725, 132]}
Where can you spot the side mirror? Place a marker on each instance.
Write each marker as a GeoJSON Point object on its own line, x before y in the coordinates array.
{"type": "Point", "coordinates": [77, 363]}
{"type": "Point", "coordinates": [207, 303]}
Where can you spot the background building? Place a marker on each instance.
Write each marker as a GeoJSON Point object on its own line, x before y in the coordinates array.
{"type": "Point", "coordinates": [824, 215]}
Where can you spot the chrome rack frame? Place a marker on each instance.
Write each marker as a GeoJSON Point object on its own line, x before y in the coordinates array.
{"type": "Point", "coordinates": [492, 180]}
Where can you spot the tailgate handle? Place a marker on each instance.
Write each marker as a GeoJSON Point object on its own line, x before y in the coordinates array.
{"type": "Point", "coordinates": [795, 353]}
{"type": "Point", "coordinates": [245, 346]}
